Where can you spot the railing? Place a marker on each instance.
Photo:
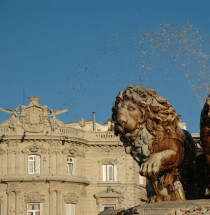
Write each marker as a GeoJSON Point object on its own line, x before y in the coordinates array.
{"type": "Point", "coordinates": [4, 130]}
{"type": "Point", "coordinates": [89, 135]}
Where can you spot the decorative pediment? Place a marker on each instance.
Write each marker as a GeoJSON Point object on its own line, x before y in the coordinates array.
{"type": "Point", "coordinates": [36, 149]}
{"type": "Point", "coordinates": [71, 198]}
{"type": "Point", "coordinates": [109, 193]}
{"type": "Point", "coordinates": [108, 161]}
{"type": "Point", "coordinates": [34, 197]}
{"type": "Point", "coordinates": [72, 151]}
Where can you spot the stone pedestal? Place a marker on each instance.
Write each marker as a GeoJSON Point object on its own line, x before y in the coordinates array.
{"type": "Point", "coordinates": [192, 207]}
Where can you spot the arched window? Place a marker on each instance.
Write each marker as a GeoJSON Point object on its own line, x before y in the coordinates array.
{"type": "Point", "coordinates": [33, 164]}
{"type": "Point", "coordinates": [70, 162]}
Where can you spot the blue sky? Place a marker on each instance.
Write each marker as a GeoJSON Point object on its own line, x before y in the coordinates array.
{"type": "Point", "coordinates": [79, 54]}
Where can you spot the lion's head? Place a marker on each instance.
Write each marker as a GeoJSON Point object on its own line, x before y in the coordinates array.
{"type": "Point", "coordinates": [136, 107]}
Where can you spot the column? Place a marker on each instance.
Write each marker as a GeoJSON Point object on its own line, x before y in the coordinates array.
{"type": "Point", "coordinates": [17, 202]}
{"type": "Point", "coordinates": [58, 163]}
{"type": "Point", "coordinates": [9, 162]}
{"type": "Point", "coordinates": [54, 203]}
{"type": "Point", "coordinates": [13, 162]}
{"type": "Point", "coordinates": [53, 163]}
{"type": "Point", "coordinates": [17, 163]}
{"type": "Point", "coordinates": [11, 202]}
{"type": "Point", "coordinates": [1, 164]}
{"type": "Point", "coordinates": [4, 161]}
{"type": "Point", "coordinates": [58, 203]}
{"type": "Point", "coordinates": [51, 202]}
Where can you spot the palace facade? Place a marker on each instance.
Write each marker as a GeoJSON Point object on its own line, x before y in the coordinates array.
{"type": "Point", "coordinates": [48, 167]}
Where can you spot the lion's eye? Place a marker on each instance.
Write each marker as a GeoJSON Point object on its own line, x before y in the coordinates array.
{"type": "Point", "coordinates": [131, 108]}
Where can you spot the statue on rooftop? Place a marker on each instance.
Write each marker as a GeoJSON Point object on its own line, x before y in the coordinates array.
{"type": "Point", "coordinates": [54, 122]}
{"type": "Point", "coordinates": [148, 127]}
{"type": "Point", "coordinates": [14, 120]}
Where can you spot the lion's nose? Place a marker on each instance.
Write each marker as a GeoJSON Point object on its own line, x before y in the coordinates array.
{"type": "Point", "coordinates": [122, 121]}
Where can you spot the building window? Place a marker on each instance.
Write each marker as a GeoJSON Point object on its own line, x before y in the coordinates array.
{"type": "Point", "coordinates": [33, 164]}
{"type": "Point", "coordinates": [70, 161]}
{"type": "Point", "coordinates": [34, 209]}
{"type": "Point", "coordinates": [109, 172]}
{"type": "Point", "coordinates": [70, 209]}
{"type": "Point", "coordinates": [109, 207]}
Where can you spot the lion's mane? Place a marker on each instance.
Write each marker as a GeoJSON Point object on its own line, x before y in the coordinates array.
{"type": "Point", "coordinates": [159, 113]}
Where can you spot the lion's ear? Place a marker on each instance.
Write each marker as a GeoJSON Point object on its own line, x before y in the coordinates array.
{"type": "Point", "coordinates": [142, 115]}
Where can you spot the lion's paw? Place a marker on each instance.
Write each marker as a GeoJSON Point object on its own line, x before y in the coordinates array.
{"type": "Point", "coordinates": [150, 167]}
{"type": "Point", "coordinates": [155, 198]}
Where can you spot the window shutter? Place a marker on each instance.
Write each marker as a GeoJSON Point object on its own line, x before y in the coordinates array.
{"type": "Point", "coordinates": [110, 172]}
{"type": "Point", "coordinates": [104, 172]}
{"type": "Point", "coordinates": [30, 167]}
{"type": "Point", "coordinates": [74, 166]}
{"type": "Point", "coordinates": [37, 164]}
{"type": "Point", "coordinates": [115, 172]}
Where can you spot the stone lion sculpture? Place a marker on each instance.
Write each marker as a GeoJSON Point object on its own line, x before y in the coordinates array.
{"type": "Point", "coordinates": [205, 128]}
{"type": "Point", "coordinates": [148, 127]}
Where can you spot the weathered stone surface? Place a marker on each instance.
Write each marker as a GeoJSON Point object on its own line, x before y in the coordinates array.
{"type": "Point", "coordinates": [113, 212]}
{"type": "Point", "coordinates": [194, 207]}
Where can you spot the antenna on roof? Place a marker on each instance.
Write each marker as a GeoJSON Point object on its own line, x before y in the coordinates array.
{"type": "Point", "coordinates": [94, 121]}
{"type": "Point", "coordinates": [23, 96]}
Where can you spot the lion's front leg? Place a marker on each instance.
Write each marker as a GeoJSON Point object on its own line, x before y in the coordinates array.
{"type": "Point", "coordinates": [156, 162]}
{"type": "Point", "coordinates": [160, 169]}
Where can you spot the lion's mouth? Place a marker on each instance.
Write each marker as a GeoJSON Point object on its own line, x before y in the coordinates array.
{"type": "Point", "coordinates": [120, 129]}
{"type": "Point", "coordinates": [126, 133]}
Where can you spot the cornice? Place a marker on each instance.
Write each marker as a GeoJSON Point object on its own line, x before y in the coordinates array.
{"type": "Point", "coordinates": [44, 138]}
{"type": "Point", "coordinates": [39, 178]}
{"type": "Point", "coordinates": [105, 144]}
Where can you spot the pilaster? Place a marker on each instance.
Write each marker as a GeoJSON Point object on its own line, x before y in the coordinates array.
{"type": "Point", "coordinates": [11, 202]}
{"type": "Point", "coordinates": [17, 203]}
{"type": "Point", "coordinates": [58, 203]}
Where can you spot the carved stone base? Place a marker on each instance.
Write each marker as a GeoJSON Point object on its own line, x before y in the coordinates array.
{"type": "Point", "coordinates": [192, 207]}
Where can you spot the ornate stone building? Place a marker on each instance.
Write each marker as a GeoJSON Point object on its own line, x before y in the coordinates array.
{"type": "Point", "coordinates": [48, 167]}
